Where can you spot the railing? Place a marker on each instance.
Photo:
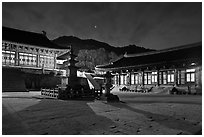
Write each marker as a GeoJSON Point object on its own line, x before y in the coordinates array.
{"type": "Point", "coordinates": [59, 93]}
{"type": "Point", "coordinates": [50, 92]}
{"type": "Point", "coordinates": [136, 88]}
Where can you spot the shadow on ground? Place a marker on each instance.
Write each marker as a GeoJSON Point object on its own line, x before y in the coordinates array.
{"type": "Point", "coordinates": [56, 117]}
{"type": "Point", "coordinates": [167, 121]}
{"type": "Point", "coordinates": [180, 99]}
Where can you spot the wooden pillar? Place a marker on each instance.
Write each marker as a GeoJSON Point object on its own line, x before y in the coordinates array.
{"type": "Point", "coordinates": [198, 76]}
{"type": "Point", "coordinates": [55, 58]}
{"type": "Point", "coordinates": [128, 78]}
{"type": "Point", "coordinates": [38, 58]}
{"type": "Point", "coordinates": [161, 77]}
{"type": "Point", "coordinates": [129, 73]}
{"type": "Point", "coordinates": [119, 78]}
{"type": "Point", "coordinates": [131, 78]}
{"type": "Point", "coordinates": [176, 77]}
{"type": "Point", "coordinates": [142, 77]}
{"type": "Point", "coordinates": [158, 77]}
{"type": "Point", "coordinates": [116, 79]}
{"type": "Point", "coordinates": [17, 57]}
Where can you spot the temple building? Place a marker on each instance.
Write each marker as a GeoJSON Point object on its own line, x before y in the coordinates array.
{"type": "Point", "coordinates": [27, 58]}
{"type": "Point", "coordinates": [179, 67]}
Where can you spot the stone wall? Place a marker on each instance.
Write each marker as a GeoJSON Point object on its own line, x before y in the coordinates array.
{"type": "Point", "coordinates": [13, 80]}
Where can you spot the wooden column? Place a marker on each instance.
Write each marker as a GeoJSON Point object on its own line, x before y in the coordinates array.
{"type": "Point", "coordinates": [128, 78]}
{"type": "Point", "coordinates": [142, 77]}
{"type": "Point", "coordinates": [17, 57]}
{"type": "Point", "coordinates": [176, 77]}
{"type": "Point", "coordinates": [119, 78]}
{"type": "Point", "coordinates": [55, 58]}
{"type": "Point", "coordinates": [198, 76]}
{"type": "Point", "coordinates": [38, 59]}
{"type": "Point", "coordinates": [158, 77]}
{"type": "Point", "coordinates": [131, 77]}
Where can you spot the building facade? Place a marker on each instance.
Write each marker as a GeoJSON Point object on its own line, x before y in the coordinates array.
{"type": "Point", "coordinates": [179, 67]}
{"type": "Point", "coordinates": [25, 57]}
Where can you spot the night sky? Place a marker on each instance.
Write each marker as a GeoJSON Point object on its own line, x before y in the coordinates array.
{"type": "Point", "coordinates": [150, 25]}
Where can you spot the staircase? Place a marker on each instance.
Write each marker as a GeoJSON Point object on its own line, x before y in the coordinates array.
{"type": "Point", "coordinates": [93, 82]}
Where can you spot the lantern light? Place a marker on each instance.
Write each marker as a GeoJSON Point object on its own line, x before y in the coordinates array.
{"type": "Point", "coordinates": [193, 64]}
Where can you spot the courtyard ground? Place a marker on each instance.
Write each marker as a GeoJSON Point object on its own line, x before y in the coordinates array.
{"type": "Point", "coordinates": [31, 113]}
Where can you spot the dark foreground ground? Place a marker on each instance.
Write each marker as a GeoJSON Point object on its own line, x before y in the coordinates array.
{"type": "Point", "coordinates": [30, 113]}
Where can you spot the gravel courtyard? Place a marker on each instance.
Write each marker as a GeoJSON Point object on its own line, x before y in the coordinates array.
{"type": "Point", "coordinates": [30, 113]}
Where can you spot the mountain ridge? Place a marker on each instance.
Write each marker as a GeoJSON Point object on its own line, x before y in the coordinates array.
{"type": "Point", "coordinates": [91, 44]}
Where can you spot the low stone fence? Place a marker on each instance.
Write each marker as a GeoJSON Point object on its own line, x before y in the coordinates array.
{"type": "Point", "coordinates": [50, 92]}
{"type": "Point", "coordinates": [136, 88]}
{"type": "Point", "coordinates": [186, 89]}
{"type": "Point", "coordinates": [65, 94]}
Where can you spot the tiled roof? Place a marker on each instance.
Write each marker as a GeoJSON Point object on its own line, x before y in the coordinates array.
{"type": "Point", "coordinates": [188, 52]}
{"type": "Point", "coordinates": [65, 56]}
{"type": "Point", "coordinates": [25, 37]}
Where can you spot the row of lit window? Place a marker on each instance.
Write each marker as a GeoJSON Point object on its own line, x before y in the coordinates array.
{"type": "Point", "coordinates": [136, 78]}
{"type": "Point", "coordinates": [27, 59]}
{"type": "Point", "coordinates": [165, 77]}
{"type": "Point", "coordinates": [46, 61]}
{"type": "Point", "coordinates": [8, 57]}
{"type": "Point", "coordinates": [123, 79]}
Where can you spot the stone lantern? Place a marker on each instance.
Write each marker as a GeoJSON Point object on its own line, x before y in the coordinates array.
{"type": "Point", "coordinates": [109, 96]}
{"type": "Point", "coordinates": [107, 83]}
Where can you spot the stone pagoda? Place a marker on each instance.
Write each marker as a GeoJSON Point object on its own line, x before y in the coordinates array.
{"type": "Point", "coordinates": [70, 67]}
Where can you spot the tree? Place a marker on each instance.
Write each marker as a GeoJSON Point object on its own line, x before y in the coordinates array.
{"type": "Point", "coordinates": [102, 57]}
{"type": "Point", "coordinates": [112, 57]}
{"type": "Point", "coordinates": [88, 59]}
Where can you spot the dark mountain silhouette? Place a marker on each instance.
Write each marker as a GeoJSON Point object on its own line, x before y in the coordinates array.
{"type": "Point", "coordinates": [90, 44]}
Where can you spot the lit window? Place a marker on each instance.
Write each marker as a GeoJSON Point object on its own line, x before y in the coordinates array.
{"type": "Point", "coordinates": [139, 78]}
{"type": "Point", "coordinates": [149, 78]}
{"type": "Point", "coordinates": [121, 80]}
{"type": "Point", "coordinates": [164, 78]}
{"type": "Point", "coordinates": [160, 78]}
{"type": "Point", "coordinates": [115, 79]}
{"type": "Point", "coordinates": [136, 78]}
{"type": "Point", "coordinates": [27, 59]}
{"type": "Point", "coordinates": [190, 75]}
{"type": "Point", "coordinates": [46, 61]}
{"type": "Point", "coordinates": [170, 76]}
{"type": "Point", "coordinates": [132, 79]}
{"type": "Point", "coordinates": [125, 79]}
{"type": "Point", "coordinates": [193, 78]}
{"type": "Point", "coordinates": [8, 57]}
{"type": "Point", "coordinates": [145, 78]}
{"type": "Point", "coordinates": [154, 77]}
